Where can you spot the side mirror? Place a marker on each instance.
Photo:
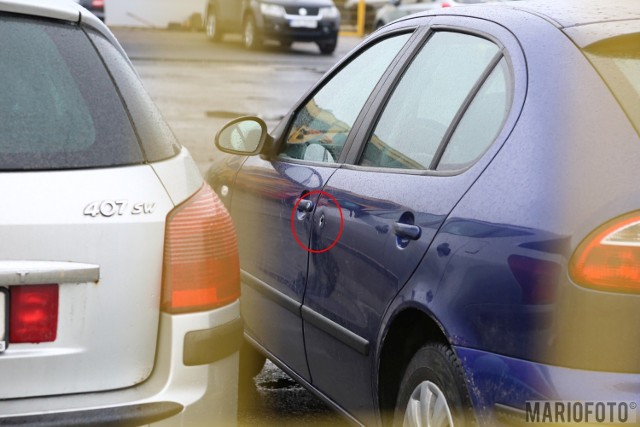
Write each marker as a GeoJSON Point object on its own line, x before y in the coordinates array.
{"type": "Point", "coordinates": [244, 136]}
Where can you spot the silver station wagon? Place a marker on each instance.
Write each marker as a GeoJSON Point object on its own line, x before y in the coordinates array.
{"type": "Point", "coordinates": [119, 277]}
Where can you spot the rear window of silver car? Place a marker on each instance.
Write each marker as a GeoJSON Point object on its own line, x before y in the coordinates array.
{"type": "Point", "coordinates": [59, 108]}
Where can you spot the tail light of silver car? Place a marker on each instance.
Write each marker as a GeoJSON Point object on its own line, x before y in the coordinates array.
{"type": "Point", "coordinates": [33, 313]}
{"type": "Point", "coordinates": [201, 265]}
{"type": "Point", "coordinates": [609, 258]}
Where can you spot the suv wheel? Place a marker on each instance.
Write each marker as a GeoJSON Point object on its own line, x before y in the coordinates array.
{"type": "Point", "coordinates": [433, 391]}
{"type": "Point", "coordinates": [250, 35]}
{"type": "Point", "coordinates": [328, 47]}
{"type": "Point", "coordinates": [211, 27]}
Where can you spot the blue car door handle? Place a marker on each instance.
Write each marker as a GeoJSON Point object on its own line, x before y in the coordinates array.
{"type": "Point", "coordinates": [305, 206]}
{"type": "Point", "coordinates": [407, 231]}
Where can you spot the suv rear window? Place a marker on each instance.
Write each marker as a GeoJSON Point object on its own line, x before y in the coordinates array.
{"type": "Point", "coordinates": [59, 108]}
{"type": "Point", "coordinates": [618, 61]}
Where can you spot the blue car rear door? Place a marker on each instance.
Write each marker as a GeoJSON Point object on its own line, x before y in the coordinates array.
{"type": "Point", "coordinates": [378, 214]}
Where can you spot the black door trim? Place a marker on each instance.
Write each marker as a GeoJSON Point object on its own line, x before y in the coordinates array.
{"type": "Point", "coordinates": [342, 334]}
{"type": "Point", "coordinates": [274, 295]}
{"type": "Point", "coordinates": [337, 331]}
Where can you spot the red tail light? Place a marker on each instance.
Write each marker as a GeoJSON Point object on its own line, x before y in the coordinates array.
{"type": "Point", "coordinates": [98, 4]}
{"type": "Point", "coordinates": [201, 267]}
{"type": "Point", "coordinates": [33, 313]}
{"type": "Point", "coordinates": [445, 4]}
{"type": "Point", "coordinates": [609, 258]}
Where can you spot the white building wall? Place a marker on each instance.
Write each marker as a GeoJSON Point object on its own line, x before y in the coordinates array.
{"type": "Point", "coordinates": [150, 13]}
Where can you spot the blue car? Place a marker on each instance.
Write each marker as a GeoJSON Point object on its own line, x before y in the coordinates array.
{"type": "Point", "coordinates": [445, 230]}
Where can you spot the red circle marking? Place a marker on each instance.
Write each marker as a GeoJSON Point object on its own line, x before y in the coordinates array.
{"type": "Point", "coordinates": [293, 219]}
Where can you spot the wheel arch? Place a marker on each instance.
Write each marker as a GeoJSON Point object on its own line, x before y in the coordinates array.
{"type": "Point", "coordinates": [407, 330]}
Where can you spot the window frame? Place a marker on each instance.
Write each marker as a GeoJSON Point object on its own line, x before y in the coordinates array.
{"type": "Point", "coordinates": [145, 140]}
{"type": "Point", "coordinates": [509, 49]}
{"type": "Point", "coordinates": [465, 108]}
{"type": "Point", "coordinates": [416, 35]}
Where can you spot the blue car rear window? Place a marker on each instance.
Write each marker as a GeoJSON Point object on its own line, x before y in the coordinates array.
{"type": "Point", "coordinates": [58, 106]}
{"type": "Point", "coordinates": [618, 61]}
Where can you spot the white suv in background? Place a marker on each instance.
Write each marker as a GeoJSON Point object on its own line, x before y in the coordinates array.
{"type": "Point", "coordinates": [119, 277]}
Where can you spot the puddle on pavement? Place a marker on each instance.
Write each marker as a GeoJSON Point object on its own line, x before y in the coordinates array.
{"type": "Point", "coordinates": [280, 383]}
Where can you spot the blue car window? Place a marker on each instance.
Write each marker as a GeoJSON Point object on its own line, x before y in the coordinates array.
{"type": "Point", "coordinates": [481, 122]}
{"type": "Point", "coordinates": [427, 100]}
{"type": "Point", "coordinates": [321, 127]}
{"type": "Point", "coordinates": [617, 59]}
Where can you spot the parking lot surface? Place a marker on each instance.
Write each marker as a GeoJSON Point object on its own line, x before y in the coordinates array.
{"type": "Point", "coordinates": [199, 85]}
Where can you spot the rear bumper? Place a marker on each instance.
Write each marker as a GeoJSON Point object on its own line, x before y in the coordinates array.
{"type": "Point", "coordinates": [213, 344]}
{"type": "Point", "coordinates": [132, 415]}
{"type": "Point", "coordinates": [501, 386]}
{"type": "Point", "coordinates": [194, 382]}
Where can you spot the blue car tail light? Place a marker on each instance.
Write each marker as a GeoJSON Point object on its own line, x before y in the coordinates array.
{"type": "Point", "coordinates": [609, 258]}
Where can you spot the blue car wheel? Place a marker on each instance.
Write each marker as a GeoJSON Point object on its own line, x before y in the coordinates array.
{"type": "Point", "coordinates": [432, 391]}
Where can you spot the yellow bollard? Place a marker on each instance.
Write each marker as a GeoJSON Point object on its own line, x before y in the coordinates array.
{"type": "Point", "coordinates": [360, 21]}
{"type": "Point", "coordinates": [362, 10]}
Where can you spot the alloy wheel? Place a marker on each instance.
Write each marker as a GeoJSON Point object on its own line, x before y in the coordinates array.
{"type": "Point", "coordinates": [211, 27]}
{"type": "Point", "coordinates": [249, 34]}
{"type": "Point", "coordinates": [427, 407]}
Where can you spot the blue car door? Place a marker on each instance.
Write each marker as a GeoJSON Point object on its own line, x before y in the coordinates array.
{"type": "Point", "coordinates": [273, 270]}
{"type": "Point", "coordinates": [379, 213]}
{"type": "Point", "coordinates": [274, 199]}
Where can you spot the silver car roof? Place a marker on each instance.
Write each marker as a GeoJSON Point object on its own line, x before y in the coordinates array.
{"type": "Point", "coordinates": [64, 9]}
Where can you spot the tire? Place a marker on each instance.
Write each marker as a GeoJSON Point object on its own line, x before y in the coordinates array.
{"type": "Point", "coordinates": [327, 48]}
{"type": "Point", "coordinates": [250, 36]}
{"type": "Point", "coordinates": [251, 363]}
{"type": "Point", "coordinates": [433, 391]}
{"type": "Point", "coordinates": [285, 44]}
{"type": "Point", "coordinates": [211, 27]}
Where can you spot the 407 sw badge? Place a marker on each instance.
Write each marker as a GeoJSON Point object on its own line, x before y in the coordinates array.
{"type": "Point", "coordinates": [109, 208]}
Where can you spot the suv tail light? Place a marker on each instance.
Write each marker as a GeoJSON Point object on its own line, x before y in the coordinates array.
{"type": "Point", "coordinates": [33, 313]}
{"type": "Point", "coordinates": [609, 258]}
{"type": "Point", "coordinates": [201, 267]}
{"type": "Point", "coordinates": [97, 4]}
